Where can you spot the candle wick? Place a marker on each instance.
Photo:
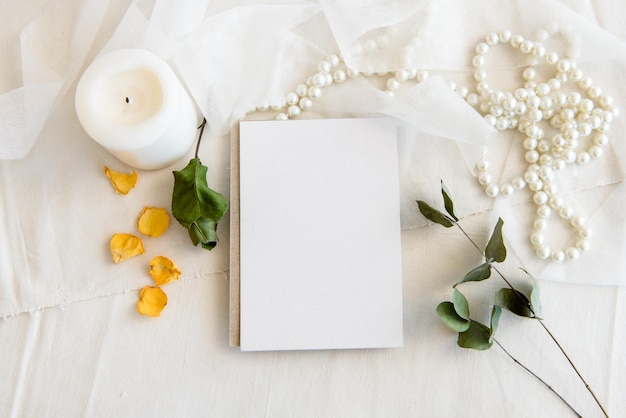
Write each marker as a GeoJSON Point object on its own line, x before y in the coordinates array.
{"type": "Point", "coordinates": [127, 100]}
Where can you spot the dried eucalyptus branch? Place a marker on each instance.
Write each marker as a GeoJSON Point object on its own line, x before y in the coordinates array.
{"type": "Point", "coordinates": [455, 315]}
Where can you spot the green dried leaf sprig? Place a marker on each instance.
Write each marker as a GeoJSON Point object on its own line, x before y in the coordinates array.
{"type": "Point", "coordinates": [456, 315]}
{"type": "Point", "coordinates": [196, 206]}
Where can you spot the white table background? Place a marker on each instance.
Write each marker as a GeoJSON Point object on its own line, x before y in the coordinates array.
{"type": "Point", "coordinates": [73, 345]}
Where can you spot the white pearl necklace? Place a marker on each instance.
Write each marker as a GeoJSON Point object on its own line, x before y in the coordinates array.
{"type": "Point", "coordinates": [554, 124]}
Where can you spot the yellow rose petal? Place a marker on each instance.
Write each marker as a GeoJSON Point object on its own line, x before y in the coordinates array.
{"type": "Point", "coordinates": [122, 182]}
{"type": "Point", "coordinates": [153, 222]}
{"type": "Point", "coordinates": [152, 301]}
{"type": "Point", "coordinates": [125, 246]}
{"type": "Point", "coordinates": [163, 270]}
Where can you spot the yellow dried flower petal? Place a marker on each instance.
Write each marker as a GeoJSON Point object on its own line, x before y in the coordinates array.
{"type": "Point", "coordinates": [163, 270]}
{"type": "Point", "coordinates": [153, 222]}
{"type": "Point", "coordinates": [125, 246]}
{"type": "Point", "coordinates": [122, 182]}
{"type": "Point", "coordinates": [152, 301]}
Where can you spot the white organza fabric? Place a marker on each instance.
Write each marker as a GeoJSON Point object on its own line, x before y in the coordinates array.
{"type": "Point", "coordinates": [236, 55]}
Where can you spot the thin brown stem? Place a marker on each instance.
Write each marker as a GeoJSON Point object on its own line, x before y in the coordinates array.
{"type": "Point", "coordinates": [545, 327]}
{"type": "Point", "coordinates": [537, 377]}
{"type": "Point", "coordinates": [201, 127]}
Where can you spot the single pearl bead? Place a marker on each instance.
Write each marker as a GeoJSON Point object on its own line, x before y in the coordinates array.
{"type": "Point", "coordinates": [334, 60]}
{"type": "Point", "coordinates": [526, 46]}
{"type": "Point", "coordinates": [582, 245]}
{"type": "Point", "coordinates": [324, 66]}
{"type": "Point", "coordinates": [543, 252]}
{"type": "Point", "coordinates": [421, 75]}
{"type": "Point", "coordinates": [516, 40]}
{"type": "Point", "coordinates": [506, 189]}
{"type": "Point", "coordinates": [314, 92]}
{"type": "Point", "coordinates": [605, 101]}
{"type": "Point", "coordinates": [482, 165]}
{"type": "Point", "coordinates": [544, 211]}
{"type": "Point", "coordinates": [572, 253]}
{"type": "Point", "coordinates": [535, 185]}
{"type": "Point", "coordinates": [282, 116]}
{"type": "Point", "coordinates": [576, 74]}
{"type": "Point", "coordinates": [569, 156]}
{"type": "Point", "coordinates": [518, 183]}
{"type": "Point", "coordinates": [542, 89]}
{"type": "Point", "coordinates": [294, 111]}
{"type": "Point", "coordinates": [492, 39]}
{"type": "Point", "coordinates": [393, 84]}
{"type": "Point", "coordinates": [319, 80]}
{"type": "Point", "coordinates": [538, 50]}
{"type": "Point", "coordinates": [492, 190]}
{"type": "Point", "coordinates": [577, 221]}
{"type": "Point", "coordinates": [555, 202]}
{"type": "Point", "coordinates": [584, 232]}
{"type": "Point", "coordinates": [558, 255]}
{"type": "Point", "coordinates": [558, 164]}
{"type": "Point", "coordinates": [584, 128]}
{"type": "Point", "coordinates": [301, 90]}
{"type": "Point", "coordinates": [540, 198]}
{"type": "Point", "coordinates": [540, 223]}
{"type": "Point", "coordinates": [531, 156]}
{"type": "Point", "coordinates": [482, 48]}
{"type": "Point", "coordinates": [401, 75]}
{"type": "Point", "coordinates": [583, 157]}
{"type": "Point", "coordinates": [478, 61]}
{"type": "Point", "coordinates": [550, 189]}
{"type": "Point", "coordinates": [292, 98]}
{"type": "Point", "coordinates": [563, 65]}
{"type": "Point", "coordinates": [480, 75]}
{"type": "Point", "coordinates": [607, 116]}
{"type": "Point", "coordinates": [352, 73]}
{"type": "Point", "coordinates": [594, 92]}
{"type": "Point", "coordinates": [552, 57]}
{"type": "Point", "coordinates": [505, 36]}
{"type": "Point", "coordinates": [520, 94]}
{"type": "Point", "coordinates": [555, 84]}
{"type": "Point", "coordinates": [462, 91]}
{"type": "Point", "coordinates": [574, 98]}
{"type": "Point", "coordinates": [585, 83]}
{"type": "Point", "coordinates": [484, 179]}
{"type": "Point", "coordinates": [531, 176]}
{"type": "Point", "coordinates": [566, 212]}
{"type": "Point", "coordinates": [264, 107]}
{"type": "Point", "coordinates": [595, 151]}
{"type": "Point", "coordinates": [491, 119]}
{"type": "Point", "coordinates": [305, 103]}
{"type": "Point", "coordinates": [537, 238]}
{"type": "Point", "coordinates": [473, 99]}
{"type": "Point", "coordinates": [600, 139]}
{"type": "Point", "coordinates": [339, 76]}
{"type": "Point", "coordinates": [529, 73]}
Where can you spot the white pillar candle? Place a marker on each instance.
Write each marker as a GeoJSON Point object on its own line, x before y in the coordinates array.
{"type": "Point", "coordinates": [131, 102]}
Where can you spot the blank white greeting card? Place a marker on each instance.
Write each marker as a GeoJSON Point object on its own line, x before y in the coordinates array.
{"type": "Point", "coordinates": [319, 235]}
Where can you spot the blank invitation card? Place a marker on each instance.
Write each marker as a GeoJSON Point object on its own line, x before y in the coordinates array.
{"type": "Point", "coordinates": [319, 262]}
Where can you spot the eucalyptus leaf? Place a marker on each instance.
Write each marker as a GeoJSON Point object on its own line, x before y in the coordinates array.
{"type": "Point", "coordinates": [196, 206]}
{"type": "Point", "coordinates": [515, 301]}
{"type": "Point", "coordinates": [496, 311]}
{"type": "Point", "coordinates": [535, 299]}
{"type": "Point", "coordinates": [434, 215]}
{"type": "Point", "coordinates": [495, 249]}
{"type": "Point", "coordinates": [451, 318]}
{"type": "Point", "coordinates": [447, 201]}
{"type": "Point", "coordinates": [476, 337]}
{"type": "Point", "coordinates": [460, 304]}
{"type": "Point", "coordinates": [477, 274]}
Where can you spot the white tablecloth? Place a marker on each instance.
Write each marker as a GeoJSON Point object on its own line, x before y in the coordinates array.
{"type": "Point", "coordinates": [73, 344]}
